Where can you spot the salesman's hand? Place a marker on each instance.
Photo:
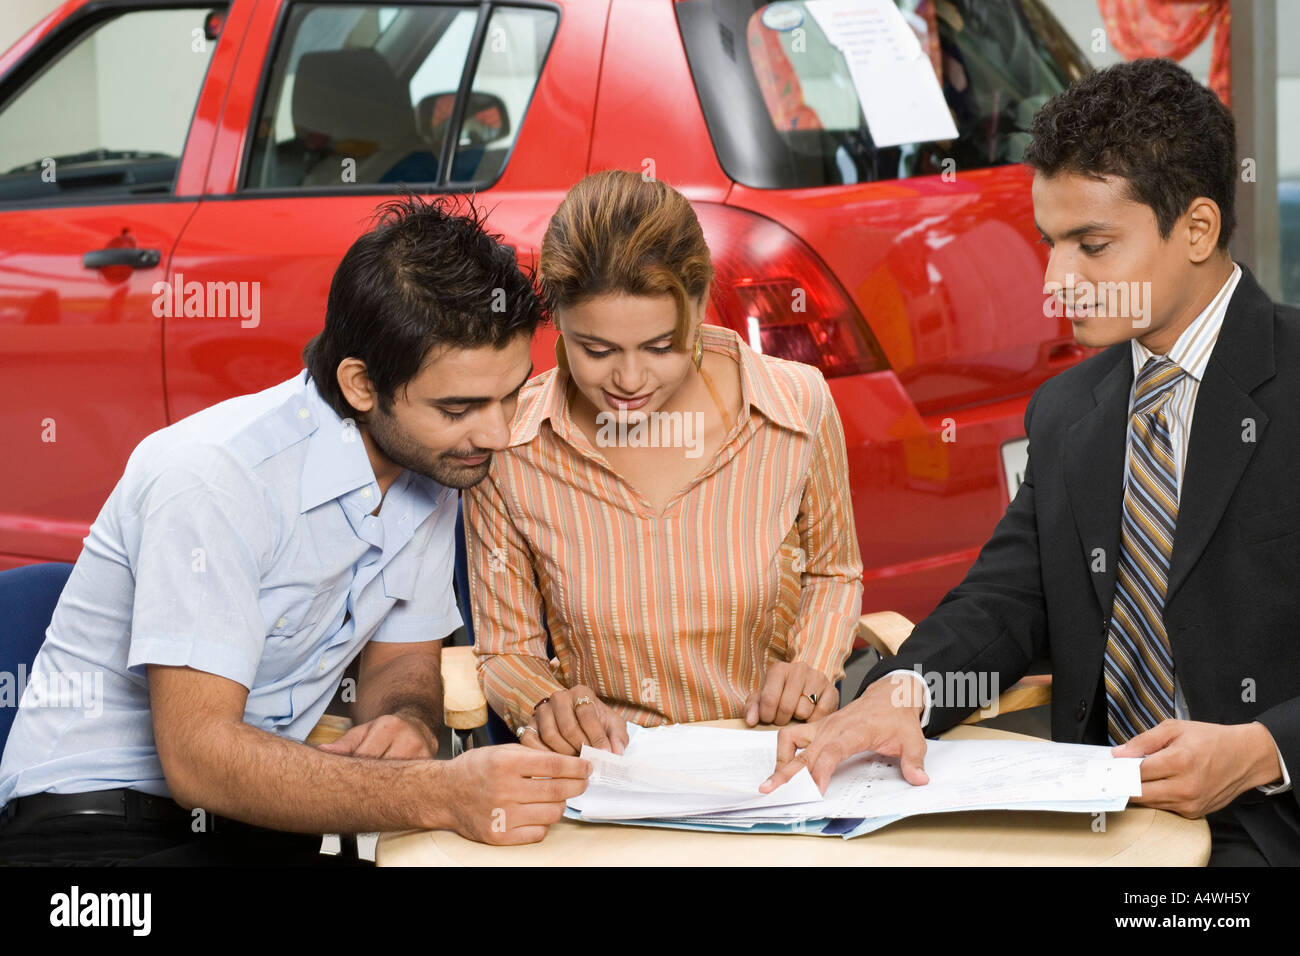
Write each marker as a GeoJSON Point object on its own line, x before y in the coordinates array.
{"type": "Point", "coordinates": [572, 718]}
{"type": "Point", "coordinates": [1194, 768]}
{"type": "Point", "coordinates": [392, 736]}
{"type": "Point", "coordinates": [509, 794]}
{"type": "Point", "coordinates": [786, 694]}
{"type": "Point", "coordinates": [886, 719]}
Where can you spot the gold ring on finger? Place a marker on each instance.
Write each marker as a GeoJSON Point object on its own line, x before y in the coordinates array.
{"type": "Point", "coordinates": [582, 700]}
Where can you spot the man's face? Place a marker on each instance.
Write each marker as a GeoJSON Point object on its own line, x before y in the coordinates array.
{"type": "Point", "coordinates": [446, 421]}
{"type": "Point", "coordinates": [1114, 276]}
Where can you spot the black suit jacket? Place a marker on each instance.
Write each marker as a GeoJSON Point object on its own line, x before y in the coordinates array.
{"type": "Point", "coordinates": [1232, 610]}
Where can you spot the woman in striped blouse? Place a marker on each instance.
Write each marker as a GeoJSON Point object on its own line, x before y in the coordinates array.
{"type": "Point", "coordinates": [673, 511]}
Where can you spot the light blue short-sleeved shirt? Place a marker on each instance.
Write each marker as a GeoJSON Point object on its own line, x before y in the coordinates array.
{"type": "Point", "coordinates": [240, 542]}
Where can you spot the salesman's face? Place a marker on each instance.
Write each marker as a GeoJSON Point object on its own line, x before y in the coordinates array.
{"type": "Point", "coordinates": [448, 420]}
{"type": "Point", "coordinates": [1111, 273]}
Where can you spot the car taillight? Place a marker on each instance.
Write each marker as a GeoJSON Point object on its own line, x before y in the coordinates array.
{"type": "Point", "coordinates": [773, 290]}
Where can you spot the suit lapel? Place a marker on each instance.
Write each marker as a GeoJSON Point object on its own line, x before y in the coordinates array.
{"type": "Point", "coordinates": [1095, 446]}
{"type": "Point", "coordinates": [1220, 446]}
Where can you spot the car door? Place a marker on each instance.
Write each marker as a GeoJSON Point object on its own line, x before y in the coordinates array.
{"type": "Point", "coordinates": [337, 107]}
{"type": "Point", "coordinates": [105, 131]}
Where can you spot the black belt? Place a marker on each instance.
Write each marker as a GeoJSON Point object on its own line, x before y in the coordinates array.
{"type": "Point", "coordinates": [130, 806]}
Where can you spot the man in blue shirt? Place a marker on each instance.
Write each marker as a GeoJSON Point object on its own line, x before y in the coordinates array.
{"type": "Point", "coordinates": [251, 551]}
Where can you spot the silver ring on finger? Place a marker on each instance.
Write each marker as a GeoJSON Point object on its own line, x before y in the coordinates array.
{"type": "Point", "coordinates": [524, 729]}
{"type": "Point", "coordinates": [582, 700]}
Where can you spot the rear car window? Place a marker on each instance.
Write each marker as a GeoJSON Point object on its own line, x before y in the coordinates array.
{"type": "Point", "coordinates": [783, 111]}
{"type": "Point", "coordinates": [363, 94]}
{"type": "Point", "coordinates": [108, 114]}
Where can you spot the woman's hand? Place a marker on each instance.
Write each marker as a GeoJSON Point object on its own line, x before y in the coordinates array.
{"type": "Point", "coordinates": [568, 719]}
{"type": "Point", "coordinates": [788, 692]}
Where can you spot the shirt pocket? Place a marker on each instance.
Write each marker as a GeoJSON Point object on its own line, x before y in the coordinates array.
{"type": "Point", "coordinates": [294, 609]}
{"type": "Point", "coordinates": [291, 614]}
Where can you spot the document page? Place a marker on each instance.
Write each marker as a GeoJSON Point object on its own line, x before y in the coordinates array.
{"type": "Point", "coordinates": [710, 776]}
{"type": "Point", "coordinates": [680, 771]}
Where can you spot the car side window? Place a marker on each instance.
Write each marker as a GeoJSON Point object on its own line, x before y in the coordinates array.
{"type": "Point", "coordinates": [509, 65]}
{"type": "Point", "coordinates": [360, 95]}
{"type": "Point", "coordinates": [365, 95]}
{"type": "Point", "coordinates": [109, 114]}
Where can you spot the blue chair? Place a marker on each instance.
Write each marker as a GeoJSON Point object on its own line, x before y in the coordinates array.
{"type": "Point", "coordinates": [28, 596]}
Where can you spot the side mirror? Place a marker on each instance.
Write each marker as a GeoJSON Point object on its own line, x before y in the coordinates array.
{"type": "Point", "coordinates": [212, 24]}
{"type": "Point", "coordinates": [485, 120]}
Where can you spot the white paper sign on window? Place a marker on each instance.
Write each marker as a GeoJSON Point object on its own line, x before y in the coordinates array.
{"type": "Point", "coordinates": [894, 77]}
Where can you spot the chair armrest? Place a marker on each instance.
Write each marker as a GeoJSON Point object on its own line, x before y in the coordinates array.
{"type": "Point", "coordinates": [328, 729]}
{"type": "Point", "coordinates": [463, 705]}
{"type": "Point", "coordinates": [885, 631]}
{"type": "Point", "coordinates": [1032, 691]}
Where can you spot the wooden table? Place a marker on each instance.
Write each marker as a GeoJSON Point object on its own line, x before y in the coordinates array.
{"type": "Point", "coordinates": [1139, 836]}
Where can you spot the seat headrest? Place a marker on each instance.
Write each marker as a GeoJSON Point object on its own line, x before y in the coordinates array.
{"type": "Point", "coordinates": [351, 95]}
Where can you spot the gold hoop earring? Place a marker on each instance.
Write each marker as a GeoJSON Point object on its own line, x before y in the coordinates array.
{"type": "Point", "coordinates": [561, 355]}
{"type": "Point", "coordinates": [699, 349]}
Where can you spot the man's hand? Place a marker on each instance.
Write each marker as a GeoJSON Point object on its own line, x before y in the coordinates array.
{"type": "Point", "coordinates": [393, 736]}
{"type": "Point", "coordinates": [574, 717]}
{"type": "Point", "coordinates": [1194, 768]}
{"type": "Point", "coordinates": [886, 719]}
{"type": "Point", "coordinates": [785, 695]}
{"type": "Point", "coordinates": [510, 794]}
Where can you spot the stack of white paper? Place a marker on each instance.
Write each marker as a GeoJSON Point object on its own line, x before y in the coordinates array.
{"type": "Point", "coordinates": [708, 778]}
{"type": "Point", "coordinates": [686, 771]}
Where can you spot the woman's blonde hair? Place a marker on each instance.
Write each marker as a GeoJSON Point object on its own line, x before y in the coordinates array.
{"type": "Point", "coordinates": [616, 232]}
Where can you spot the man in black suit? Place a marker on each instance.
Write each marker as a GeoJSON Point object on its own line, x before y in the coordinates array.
{"type": "Point", "coordinates": [1153, 551]}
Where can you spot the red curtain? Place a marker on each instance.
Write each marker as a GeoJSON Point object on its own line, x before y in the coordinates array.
{"type": "Point", "coordinates": [1172, 28]}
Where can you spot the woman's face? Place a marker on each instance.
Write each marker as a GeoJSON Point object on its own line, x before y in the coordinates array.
{"type": "Point", "coordinates": [620, 350]}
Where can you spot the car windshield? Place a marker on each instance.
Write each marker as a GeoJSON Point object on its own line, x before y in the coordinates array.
{"type": "Point", "coordinates": [784, 112]}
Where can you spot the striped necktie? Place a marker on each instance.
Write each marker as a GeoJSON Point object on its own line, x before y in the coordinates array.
{"type": "Point", "coordinates": [1139, 667]}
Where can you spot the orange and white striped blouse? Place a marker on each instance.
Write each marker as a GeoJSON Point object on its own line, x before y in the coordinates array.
{"type": "Point", "coordinates": [668, 618]}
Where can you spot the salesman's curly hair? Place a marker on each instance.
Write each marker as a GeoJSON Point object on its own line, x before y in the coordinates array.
{"type": "Point", "coordinates": [1151, 123]}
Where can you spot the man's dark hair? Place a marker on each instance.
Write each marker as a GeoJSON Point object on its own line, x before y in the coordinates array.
{"type": "Point", "coordinates": [424, 276]}
{"type": "Point", "coordinates": [1151, 123]}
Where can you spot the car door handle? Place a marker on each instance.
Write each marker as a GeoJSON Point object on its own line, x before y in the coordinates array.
{"type": "Point", "coordinates": [122, 256]}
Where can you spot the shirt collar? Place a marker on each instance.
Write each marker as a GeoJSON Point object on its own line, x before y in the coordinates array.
{"type": "Point", "coordinates": [758, 389]}
{"type": "Point", "coordinates": [758, 386]}
{"type": "Point", "coordinates": [336, 461]}
{"type": "Point", "coordinates": [1192, 351]}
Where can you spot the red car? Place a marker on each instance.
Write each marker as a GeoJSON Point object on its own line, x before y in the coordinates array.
{"type": "Point", "coordinates": [182, 180]}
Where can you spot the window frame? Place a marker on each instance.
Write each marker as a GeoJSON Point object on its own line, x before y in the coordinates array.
{"type": "Point", "coordinates": [50, 49]}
